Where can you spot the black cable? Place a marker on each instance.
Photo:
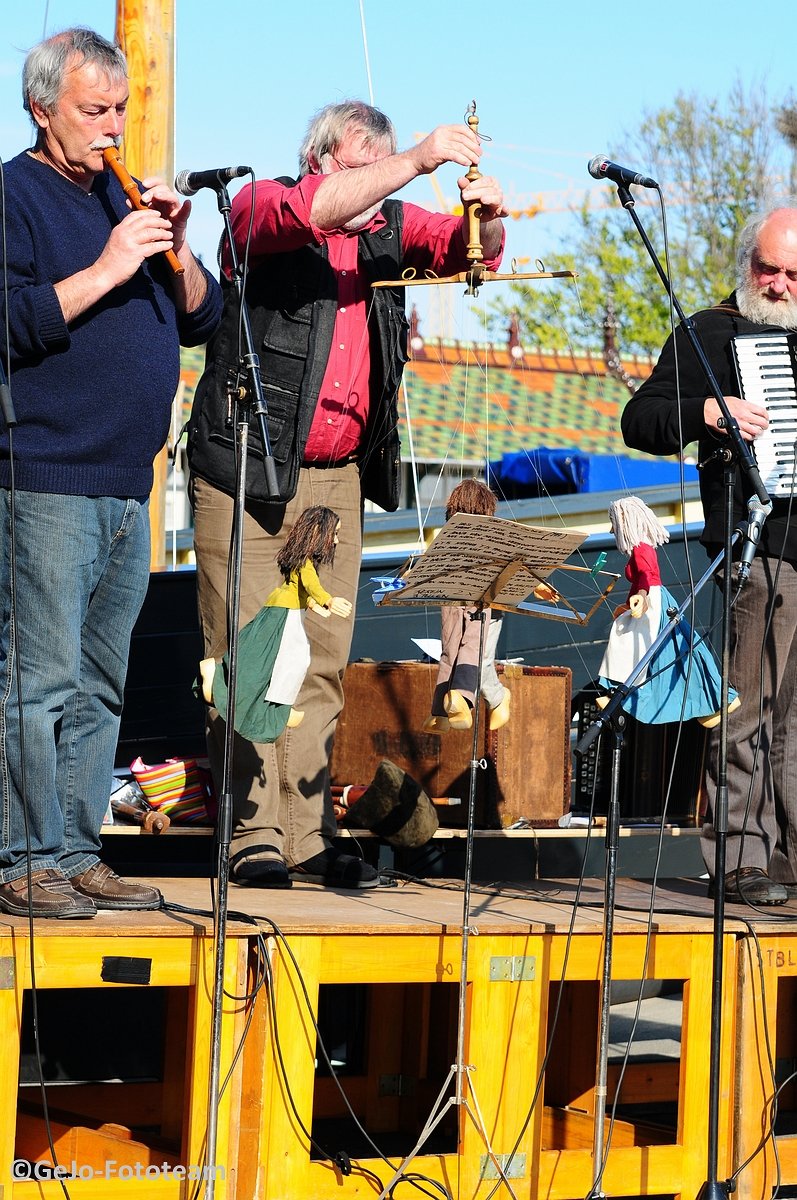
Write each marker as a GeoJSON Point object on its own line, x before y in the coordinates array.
{"type": "Point", "coordinates": [14, 651]}
{"type": "Point", "coordinates": [284, 943]}
{"type": "Point", "coordinates": [773, 1105]}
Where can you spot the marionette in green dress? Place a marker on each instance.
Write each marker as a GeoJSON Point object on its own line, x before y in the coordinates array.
{"type": "Point", "coordinates": [273, 650]}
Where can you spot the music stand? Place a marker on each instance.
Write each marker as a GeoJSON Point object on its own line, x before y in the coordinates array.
{"type": "Point", "coordinates": [480, 562]}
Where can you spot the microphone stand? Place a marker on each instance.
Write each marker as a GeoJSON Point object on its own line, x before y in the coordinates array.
{"type": "Point", "coordinates": [247, 400]}
{"type": "Point", "coordinates": [736, 451]}
{"type": "Point", "coordinates": [612, 716]}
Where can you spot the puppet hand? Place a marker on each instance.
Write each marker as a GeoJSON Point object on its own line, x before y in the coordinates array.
{"type": "Point", "coordinates": [544, 591]}
{"type": "Point", "coordinates": [340, 606]}
{"type": "Point", "coordinates": [638, 604]}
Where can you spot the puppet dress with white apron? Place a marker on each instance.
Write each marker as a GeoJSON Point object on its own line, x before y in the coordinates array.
{"type": "Point", "coordinates": [273, 658]}
{"type": "Point", "coordinates": [683, 679]}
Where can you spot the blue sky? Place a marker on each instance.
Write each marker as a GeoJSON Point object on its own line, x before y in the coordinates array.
{"type": "Point", "coordinates": [555, 83]}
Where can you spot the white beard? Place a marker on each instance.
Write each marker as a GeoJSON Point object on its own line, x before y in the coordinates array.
{"type": "Point", "coordinates": [754, 305]}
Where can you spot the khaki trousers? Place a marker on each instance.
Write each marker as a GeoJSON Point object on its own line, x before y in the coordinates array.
{"type": "Point", "coordinates": [280, 791]}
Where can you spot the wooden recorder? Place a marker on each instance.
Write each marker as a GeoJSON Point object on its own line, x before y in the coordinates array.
{"type": "Point", "coordinates": [130, 188]}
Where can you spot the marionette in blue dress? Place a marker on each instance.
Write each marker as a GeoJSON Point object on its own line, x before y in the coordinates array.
{"type": "Point", "coordinates": [273, 650]}
{"type": "Point", "coordinates": [683, 679]}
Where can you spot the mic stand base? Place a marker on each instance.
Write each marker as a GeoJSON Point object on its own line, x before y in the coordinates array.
{"type": "Point", "coordinates": [715, 1191]}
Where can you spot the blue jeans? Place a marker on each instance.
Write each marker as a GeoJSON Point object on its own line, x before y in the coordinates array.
{"type": "Point", "coordinates": [82, 570]}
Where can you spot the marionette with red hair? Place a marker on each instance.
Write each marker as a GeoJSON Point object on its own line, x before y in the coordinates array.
{"type": "Point", "coordinates": [273, 650]}
{"type": "Point", "coordinates": [458, 673]}
{"type": "Point", "coordinates": [683, 679]}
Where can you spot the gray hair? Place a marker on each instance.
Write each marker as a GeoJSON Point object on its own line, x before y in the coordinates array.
{"type": "Point", "coordinates": [48, 62]}
{"type": "Point", "coordinates": [633, 522]}
{"type": "Point", "coordinates": [749, 234]}
{"type": "Point", "coordinates": [328, 128]}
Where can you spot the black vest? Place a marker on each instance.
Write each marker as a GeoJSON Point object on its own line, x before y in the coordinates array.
{"type": "Point", "coordinates": [292, 301]}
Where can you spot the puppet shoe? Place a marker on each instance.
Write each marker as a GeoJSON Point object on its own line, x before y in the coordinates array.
{"type": "Point", "coordinates": [295, 717]}
{"type": "Point", "coordinates": [457, 710]}
{"type": "Point", "coordinates": [713, 719]}
{"type": "Point", "coordinates": [333, 869]}
{"type": "Point", "coordinates": [207, 669]}
{"type": "Point", "coordinates": [261, 866]}
{"type": "Point", "coordinates": [435, 724]}
{"type": "Point", "coordinates": [500, 714]}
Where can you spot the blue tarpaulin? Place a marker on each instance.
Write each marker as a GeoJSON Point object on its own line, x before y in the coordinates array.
{"type": "Point", "coordinates": [552, 472]}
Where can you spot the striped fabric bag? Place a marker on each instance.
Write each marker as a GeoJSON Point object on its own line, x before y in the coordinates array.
{"type": "Point", "coordinates": [180, 787]}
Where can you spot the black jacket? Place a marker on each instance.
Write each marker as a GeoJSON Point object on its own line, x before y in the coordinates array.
{"type": "Point", "coordinates": [292, 300]}
{"type": "Point", "coordinates": [650, 421]}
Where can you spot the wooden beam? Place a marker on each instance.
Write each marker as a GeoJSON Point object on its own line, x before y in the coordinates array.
{"type": "Point", "coordinates": [145, 29]}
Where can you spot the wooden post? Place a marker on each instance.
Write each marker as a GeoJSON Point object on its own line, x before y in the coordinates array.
{"type": "Point", "coordinates": [145, 31]}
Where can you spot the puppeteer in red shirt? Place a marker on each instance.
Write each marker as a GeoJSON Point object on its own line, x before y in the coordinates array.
{"type": "Point", "coordinates": [430, 241]}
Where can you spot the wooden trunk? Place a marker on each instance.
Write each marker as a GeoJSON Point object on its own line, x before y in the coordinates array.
{"type": "Point", "coordinates": [527, 763]}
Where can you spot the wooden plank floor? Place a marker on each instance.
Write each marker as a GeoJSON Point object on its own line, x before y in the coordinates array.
{"type": "Point", "coordinates": [406, 939]}
{"type": "Point", "coordinates": [680, 905]}
{"type": "Point", "coordinates": [415, 908]}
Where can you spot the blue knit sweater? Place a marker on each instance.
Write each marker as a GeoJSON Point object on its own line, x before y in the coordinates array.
{"type": "Point", "coordinates": [93, 398]}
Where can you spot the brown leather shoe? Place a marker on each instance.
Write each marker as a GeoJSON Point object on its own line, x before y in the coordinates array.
{"type": "Point", "coordinates": [107, 890]}
{"type": "Point", "coordinates": [51, 895]}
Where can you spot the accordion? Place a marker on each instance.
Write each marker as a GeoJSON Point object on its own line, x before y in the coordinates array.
{"type": "Point", "coordinates": [766, 366]}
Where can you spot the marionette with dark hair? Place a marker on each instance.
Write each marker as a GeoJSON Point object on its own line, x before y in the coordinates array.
{"type": "Point", "coordinates": [683, 679]}
{"type": "Point", "coordinates": [273, 650]}
{"type": "Point", "coordinates": [458, 673]}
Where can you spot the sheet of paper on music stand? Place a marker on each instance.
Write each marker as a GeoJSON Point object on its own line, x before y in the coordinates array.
{"type": "Point", "coordinates": [469, 554]}
{"type": "Point", "coordinates": [431, 647]}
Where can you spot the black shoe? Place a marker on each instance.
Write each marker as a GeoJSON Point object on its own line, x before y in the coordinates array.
{"type": "Point", "coordinates": [333, 869]}
{"type": "Point", "coordinates": [262, 866]}
{"type": "Point", "coordinates": [752, 885]}
{"type": "Point", "coordinates": [51, 895]}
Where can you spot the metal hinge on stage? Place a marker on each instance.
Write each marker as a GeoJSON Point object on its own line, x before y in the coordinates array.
{"type": "Point", "coordinates": [512, 1165]}
{"type": "Point", "coordinates": [512, 968]}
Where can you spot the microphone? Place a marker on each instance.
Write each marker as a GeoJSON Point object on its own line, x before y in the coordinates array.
{"type": "Point", "coordinates": [601, 167]}
{"type": "Point", "coordinates": [757, 514]}
{"type": "Point", "coordinates": [188, 183]}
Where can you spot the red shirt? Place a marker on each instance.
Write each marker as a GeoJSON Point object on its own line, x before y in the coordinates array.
{"type": "Point", "coordinates": [430, 241]}
{"type": "Point", "coordinates": [642, 568]}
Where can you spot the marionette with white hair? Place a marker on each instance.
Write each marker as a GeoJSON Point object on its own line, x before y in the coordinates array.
{"type": "Point", "coordinates": [683, 679]}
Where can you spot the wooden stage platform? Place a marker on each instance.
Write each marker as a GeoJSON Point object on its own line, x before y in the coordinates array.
{"type": "Point", "coordinates": [124, 1016]}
